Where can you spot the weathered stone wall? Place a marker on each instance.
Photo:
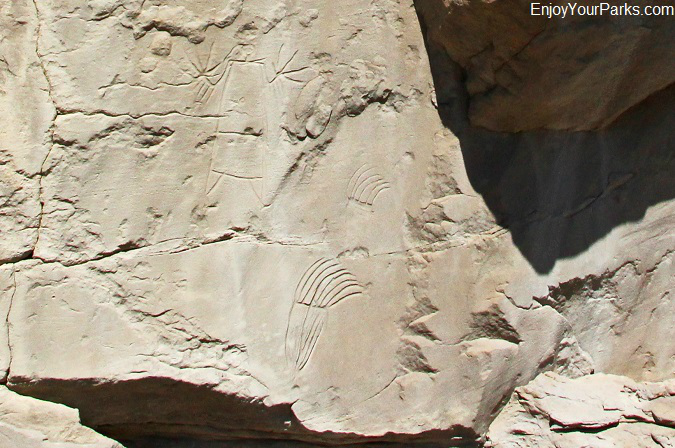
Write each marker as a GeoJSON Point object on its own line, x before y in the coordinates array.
{"type": "Point", "coordinates": [260, 221]}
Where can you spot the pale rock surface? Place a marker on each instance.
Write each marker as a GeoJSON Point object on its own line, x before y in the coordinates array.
{"type": "Point", "coordinates": [596, 411]}
{"type": "Point", "coordinates": [27, 115]}
{"type": "Point", "coordinates": [29, 423]}
{"type": "Point", "coordinates": [264, 220]}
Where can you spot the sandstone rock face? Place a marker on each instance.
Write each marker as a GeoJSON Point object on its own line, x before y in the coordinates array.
{"type": "Point", "coordinates": [29, 423]}
{"type": "Point", "coordinates": [597, 410]}
{"type": "Point", "coordinates": [524, 71]}
{"type": "Point", "coordinates": [228, 223]}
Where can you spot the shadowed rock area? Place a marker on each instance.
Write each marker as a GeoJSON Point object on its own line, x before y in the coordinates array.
{"type": "Point", "coordinates": [560, 192]}
{"type": "Point", "coordinates": [526, 72]}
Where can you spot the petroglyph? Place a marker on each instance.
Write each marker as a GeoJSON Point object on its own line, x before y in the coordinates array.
{"type": "Point", "coordinates": [366, 185]}
{"type": "Point", "coordinates": [324, 284]}
{"type": "Point", "coordinates": [208, 74]}
{"type": "Point", "coordinates": [271, 222]}
{"type": "Point", "coordinates": [284, 67]}
{"type": "Point", "coordinates": [246, 128]}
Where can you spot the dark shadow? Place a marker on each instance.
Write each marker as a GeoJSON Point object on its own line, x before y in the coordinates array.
{"type": "Point", "coordinates": [155, 412]}
{"type": "Point", "coordinates": [265, 443]}
{"type": "Point", "coordinates": [560, 192]}
{"type": "Point", "coordinates": [193, 443]}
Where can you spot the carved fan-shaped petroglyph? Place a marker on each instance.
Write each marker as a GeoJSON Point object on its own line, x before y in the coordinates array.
{"type": "Point", "coordinates": [323, 285]}
{"type": "Point", "coordinates": [366, 185]}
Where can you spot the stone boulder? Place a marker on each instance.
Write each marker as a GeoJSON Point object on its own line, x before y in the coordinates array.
{"type": "Point", "coordinates": [524, 71]}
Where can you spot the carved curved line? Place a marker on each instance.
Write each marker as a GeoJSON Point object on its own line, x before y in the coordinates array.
{"type": "Point", "coordinates": [307, 274]}
{"type": "Point", "coordinates": [336, 278]}
{"type": "Point", "coordinates": [276, 64]}
{"type": "Point", "coordinates": [232, 50]}
{"type": "Point", "coordinates": [322, 285]}
{"type": "Point", "coordinates": [320, 275]}
{"type": "Point", "coordinates": [293, 354]}
{"type": "Point", "coordinates": [202, 88]}
{"type": "Point", "coordinates": [208, 78]}
{"type": "Point", "coordinates": [215, 184]}
{"type": "Point", "coordinates": [289, 355]}
{"type": "Point", "coordinates": [315, 298]}
{"type": "Point", "coordinates": [308, 340]}
{"type": "Point", "coordinates": [281, 72]}
{"type": "Point", "coordinates": [312, 345]}
{"type": "Point", "coordinates": [209, 92]}
{"type": "Point", "coordinates": [224, 75]}
{"type": "Point", "coordinates": [196, 67]}
{"type": "Point", "coordinates": [210, 89]}
{"type": "Point", "coordinates": [375, 193]}
{"type": "Point", "coordinates": [208, 61]}
{"type": "Point", "coordinates": [208, 57]}
{"type": "Point", "coordinates": [216, 65]}
{"type": "Point", "coordinates": [364, 197]}
{"type": "Point", "coordinates": [302, 333]}
{"type": "Point", "coordinates": [209, 70]}
{"type": "Point", "coordinates": [371, 184]}
{"type": "Point", "coordinates": [352, 180]}
{"type": "Point", "coordinates": [343, 291]}
{"type": "Point", "coordinates": [358, 183]}
{"type": "Point", "coordinates": [375, 178]}
{"type": "Point", "coordinates": [337, 286]}
{"type": "Point", "coordinates": [358, 190]}
{"type": "Point", "coordinates": [199, 60]}
{"type": "Point", "coordinates": [356, 179]}
{"type": "Point", "coordinates": [312, 340]}
{"type": "Point", "coordinates": [300, 298]}
{"type": "Point", "coordinates": [325, 277]}
{"type": "Point", "coordinates": [312, 301]}
{"type": "Point", "coordinates": [307, 331]}
{"type": "Point", "coordinates": [336, 300]}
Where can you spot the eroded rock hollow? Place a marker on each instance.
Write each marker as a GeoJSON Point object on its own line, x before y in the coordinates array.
{"type": "Point", "coordinates": [232, 223]}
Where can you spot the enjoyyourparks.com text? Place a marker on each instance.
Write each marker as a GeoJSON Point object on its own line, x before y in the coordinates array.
{"type": "Point", "coordinates": [562, 10]}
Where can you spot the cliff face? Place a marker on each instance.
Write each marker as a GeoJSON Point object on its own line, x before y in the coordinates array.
{"type": "Point", "coordinates": [257, 223]}
{"type": "Point", "coordinates": [578, 71]}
